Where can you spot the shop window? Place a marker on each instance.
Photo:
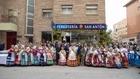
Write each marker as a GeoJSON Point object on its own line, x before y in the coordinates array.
{"type": "Point", "coordinates": [67, 9]}
{"type": "Point", "coordinates": [132, 39]}
{"type": "Point", "coordinates": [91, 9]}
{"type": "Point", "coordinates": [47, 13]}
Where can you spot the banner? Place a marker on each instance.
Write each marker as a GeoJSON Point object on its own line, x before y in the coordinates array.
{"type": "Point", "coordinates": [79, 26]}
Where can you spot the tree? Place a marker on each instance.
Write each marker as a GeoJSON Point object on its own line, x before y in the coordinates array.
{"type": "Point", "coordinates": [57, 34]}
{"type": "Point", "coordinates": [104, 37]}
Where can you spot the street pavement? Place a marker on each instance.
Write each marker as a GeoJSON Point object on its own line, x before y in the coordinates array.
{"type": "Point", "coordinates": [65, 72]}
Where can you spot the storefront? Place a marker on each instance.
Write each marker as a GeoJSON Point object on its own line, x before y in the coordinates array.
{"type": "Point", "coordinates": [80, 32]}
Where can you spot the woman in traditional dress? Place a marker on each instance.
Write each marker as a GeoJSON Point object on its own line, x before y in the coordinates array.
{"type": "Point", "coordinates": [18, 56]}
{"type": "Point", "coordinates": [30, 55]}
{"type": "Point", "coordinates": [49, 56]}
{"type": "Point", "coordinates": [72, 61]}
{"type": "Point", "coordinates": [88, 59]}
{"type": "Point", "coordinates": [10, 57]}
{"type": "Point", "coordinates": [62, 58]}
{"type": "Point", "coordinates": [53, 53]}
{"type": "Point", "coordinates": [131, 57]}
{"type": "Point", "coordinates": [24, 56]}
{"type": "Point", "coordinates": [97, 59]}
{"type": "Point", "coordinates": [35, 57]}
{"type": "Point", "coordinates": [124, 54]}
{"type": "Point", "coordinates": [117, 59]}
{"type": "Point", "coordinates": [102, 54]}
{"type": "Point", "coordinates": [42, 56]}
{"type": "Point", "coordinates": [109, 59]}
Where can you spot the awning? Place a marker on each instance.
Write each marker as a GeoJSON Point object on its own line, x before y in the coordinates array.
{"type": "Point", "coordinates": [8, 27]}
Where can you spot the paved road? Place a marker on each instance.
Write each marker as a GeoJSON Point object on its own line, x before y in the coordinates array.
{"type": "Point", "coordinates": [64, 72]}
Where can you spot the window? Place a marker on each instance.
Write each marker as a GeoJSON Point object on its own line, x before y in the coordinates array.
{"type": "Point", "coordinates": [30, 17]}
{"type": "Point", "coordinates": [13, 12]}
{"type": "Point", "coordinates": [132, 39]}
{"type": "Point", "coordinates": [91, 9]}
{"type": "Point", "coordinates": [12, 15]}
{"type": "Point", "coordinates": [31, 2]}
{"type": "Point", "coordinates": [30, 40]}
{"type": "Point", "coordinates": [29, 30]}
{"type": "Point", "coordinates": [139, 8]}
{"type": "Point", "coordinates": [67, 9]}
{"type": "Point", "coordinates": [30, 22]}
{"type": "Point", "coordinates": [30, 9]}
{"type": "Point", "coordinates": [47, 13]}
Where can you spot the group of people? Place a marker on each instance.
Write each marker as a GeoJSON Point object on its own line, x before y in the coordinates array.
{"type": "Point", "coordinates": [70, 54]}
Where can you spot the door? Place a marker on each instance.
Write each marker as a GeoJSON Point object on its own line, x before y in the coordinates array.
{"type": "Point", "coordinates": [11, 39]}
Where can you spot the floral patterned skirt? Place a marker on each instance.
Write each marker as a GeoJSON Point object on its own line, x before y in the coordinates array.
{"type": "Point", "coordinates": [72, 63]}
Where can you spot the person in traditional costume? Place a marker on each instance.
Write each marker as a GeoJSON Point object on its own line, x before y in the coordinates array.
{"type": "Point", "coordinates": [131, 57]}
{"type": "Point", "coordinates": [24, 56]}
{"type": "Point", "coordinates": [103, 51]}
{"type": "Point", "coordinates": [72, 60]}
{"type": "Point", "coordinates": [29, 50]}
{"type": "Point", "coordinates": [117, 59]}
{"type": "Point", "coordinates": [42, 56]}
{"type": "Point", "coordinates": [124, 56]}
{"type": "Point", "coordinates": [35, 57]}
{"type": "Point", "coordinates": [109, 59]}
{"type": "Point", "coordinates": [100, 57]}
{"type": "Point", "coordinates": [88, 59]}
{"type": "Point", "coordinates": [49, 56]}
{"type": "Point", "coordinates": [97, 59]}
{"type": "Point", "coordinates": [53, 53]}
{"type": "Point", "coordinates": [62, 58]}
{"type": "Point", "coordinates": [11, 57]}
{"type": "Point", "coordinates": [17, 55]}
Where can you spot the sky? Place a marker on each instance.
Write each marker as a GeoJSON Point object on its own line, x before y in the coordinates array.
{"type": "Point", "coordinates": [115, 12]}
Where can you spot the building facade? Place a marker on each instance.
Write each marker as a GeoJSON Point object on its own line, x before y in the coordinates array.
{"type": "Point", "coordinates": [119, 31]}
{"type": "Point", "coordinates": [31, 19]}
{"type": "Point", "coordinates": [133, 18]}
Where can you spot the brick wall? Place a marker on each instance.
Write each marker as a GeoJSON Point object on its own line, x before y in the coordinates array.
{"type": "Point", "coordinates": [1, 9]}
{"type": "Point", "coordinates": [21, 6]}
{"type": "Point", "coordinates": [79, 15]}
{"type": "Point", "coordinates": [40, 23]}
{"type": "Point", "coordinates": [133, 19]}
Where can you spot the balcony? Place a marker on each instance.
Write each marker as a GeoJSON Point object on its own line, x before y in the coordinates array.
{"type": "Point", "coordinates": [8, 23]}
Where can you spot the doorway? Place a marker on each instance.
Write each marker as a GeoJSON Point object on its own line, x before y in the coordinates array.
{"type": "Point", "coordinates": [46, 36]}
{"type": "Point", "coordinates": [11, 39]}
